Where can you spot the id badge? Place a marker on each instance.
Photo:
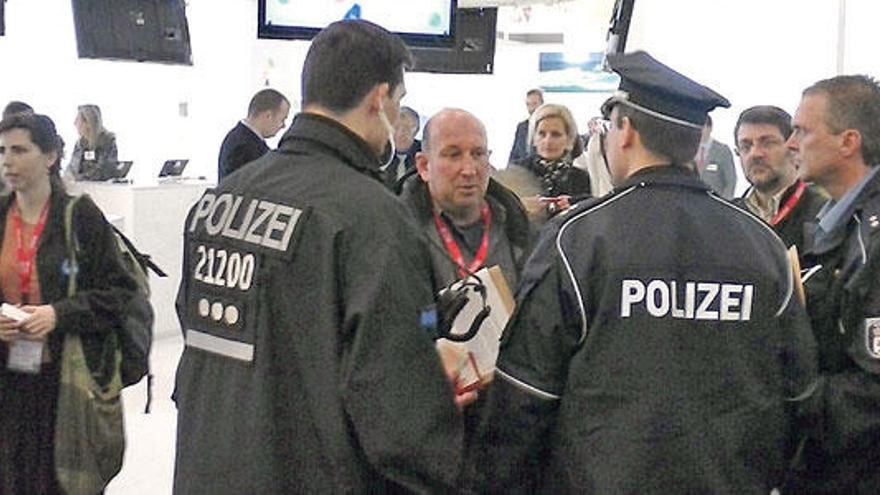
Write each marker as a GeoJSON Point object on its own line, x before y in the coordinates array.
{"type": "Point", "coordinates": [89, 155]}
{"type": "Point", "coordinates": [25, 356]}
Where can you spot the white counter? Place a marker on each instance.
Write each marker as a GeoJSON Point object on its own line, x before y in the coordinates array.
{"type": "Point", "coordinates": [152, 216]}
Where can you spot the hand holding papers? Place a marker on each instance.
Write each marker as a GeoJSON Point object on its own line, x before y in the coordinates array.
{"type": "Point", "coordinates": [474, 359]}
{"type": "Point", "coordinates": [25, 356]}
{"type": "Point", "coordinates": [13, 312]}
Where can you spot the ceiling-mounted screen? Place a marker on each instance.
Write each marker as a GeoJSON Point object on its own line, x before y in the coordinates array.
{"type": "Point", "coordinates": [418, 22]}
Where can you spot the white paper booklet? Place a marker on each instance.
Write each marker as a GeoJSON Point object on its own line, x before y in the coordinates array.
{"type": "Point", "coordinates": [475, 358]}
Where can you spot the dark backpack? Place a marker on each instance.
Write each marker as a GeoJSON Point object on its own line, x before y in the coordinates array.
{"type": "Point", "coordinates": [135, 333]}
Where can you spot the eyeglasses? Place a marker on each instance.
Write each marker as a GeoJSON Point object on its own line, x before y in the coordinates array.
{"type": "Point", "coordinates": [455, 155]}
{"type": "Point", "coordinates": [599, 125]}
{"type": "Point", "coordinates": [765, 143]}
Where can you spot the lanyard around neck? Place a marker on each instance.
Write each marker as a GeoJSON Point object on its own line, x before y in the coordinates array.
{"type": "Point", "coordinates": [455, 252]}
{"type": "Point", "coordinates": [789, 204]}
{"type": "Point", "coordinates": [26, 252]}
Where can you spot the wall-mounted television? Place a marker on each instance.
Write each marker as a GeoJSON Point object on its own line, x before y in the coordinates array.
{"type": "Point", "coordinates": [141, 30]}
{"type": "Point", "coordinates": [418, 22]}
{"type": "Point", "coordinates": [473, 51]}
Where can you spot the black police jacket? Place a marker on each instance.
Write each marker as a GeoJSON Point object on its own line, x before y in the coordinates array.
{"type": "Point", "coordinates": [306, 369]}
{"type": "Point", "coordinates": [655, 347]}
{"type": "Point", "coordinates": [843, 301]}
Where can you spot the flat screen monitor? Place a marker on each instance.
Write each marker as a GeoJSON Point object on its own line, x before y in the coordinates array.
{"type": "Point", "coordinates": [120, 170]}
{"type": "Point", "coordinates": [418, 22]}
{"type": "Point", "coordinates": [173, 168]}
{"type": "Point", "coordinates": [141, 30]}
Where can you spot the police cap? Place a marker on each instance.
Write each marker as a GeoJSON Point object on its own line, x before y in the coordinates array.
{"type": "Point", "coordinates": [654, 88]}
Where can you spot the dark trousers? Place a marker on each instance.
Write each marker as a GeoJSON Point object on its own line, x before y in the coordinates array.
{"type": "Point", "coordinates": [27, 430]}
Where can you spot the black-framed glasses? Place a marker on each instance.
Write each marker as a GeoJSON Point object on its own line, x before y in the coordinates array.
{"type": "Point", "coordinates": [765, 143]}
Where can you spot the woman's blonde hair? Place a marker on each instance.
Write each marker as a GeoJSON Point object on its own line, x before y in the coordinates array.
{"type": "Point", "coordinates": [91, 115]}
{"type": "Point", "coordinates": [550, 110]}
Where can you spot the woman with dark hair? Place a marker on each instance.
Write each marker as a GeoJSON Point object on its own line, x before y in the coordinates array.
{"type": "Point", "coordinates": [34, 271]}
{"type": "Point", "coordinates": [15, 107]}
{"type": "Point", "coordinates": [94, 154]}
{"type": "Point", "coordinates": [555, 143]}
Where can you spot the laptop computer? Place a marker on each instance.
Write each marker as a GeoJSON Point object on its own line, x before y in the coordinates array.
{"type": "Point", "coordinates": [173, 168]}
{"type": "Point", "coordinates": [119, 170]}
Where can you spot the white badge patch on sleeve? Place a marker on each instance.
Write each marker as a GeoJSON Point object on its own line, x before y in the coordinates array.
{"type": "Point", "coordinates": [872, 337]}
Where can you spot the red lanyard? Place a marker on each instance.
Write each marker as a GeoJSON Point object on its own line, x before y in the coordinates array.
{"type": "Point", "coordinates": [790, 204]}
{"type": "Point", "coordinates": [455, 252]}
{"type": "Point", "coordinates": [26, 253]}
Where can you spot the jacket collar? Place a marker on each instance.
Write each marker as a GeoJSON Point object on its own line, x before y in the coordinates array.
{"type": "Point", "coordinates": [868, 199]}
{"type": "Point", "coordinates": [664, 175]}
{"type": "Point", "coordinates": [505, 204]}
{"type": "Point", "coordinates": [247, 127]}
{"type": "Point", "coordinates": [866, 206]}
{"type": "Point", "coordinates": [55, 222]}
{"type": "Point", "coordinates": [309, 130]}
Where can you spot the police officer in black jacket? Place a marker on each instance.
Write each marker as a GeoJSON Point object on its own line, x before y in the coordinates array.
{"type": "Point", "coordinates": [836, 141]}
{"type": "Point", "coordinates": [657, 345]}
{"type": "Point", "coordinates": [305, 289]}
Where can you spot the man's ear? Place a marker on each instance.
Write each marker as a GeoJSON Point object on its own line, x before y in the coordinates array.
{"type": "Point", "coordinates": [627, 133]}
{"type": "Point", "coordinates": [377, 96]}
{"type": "Point", "coordinates": [422, 165]}
{"type": "Point", "coordinates": [851, 143]}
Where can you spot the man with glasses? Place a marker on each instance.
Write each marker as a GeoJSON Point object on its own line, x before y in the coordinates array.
{"type": "Point", "coordinates": [777, 195]}
{"type": "Point", "coordinates": [656, 346]}
{"type": "Point", "coordinates": [472, 220]}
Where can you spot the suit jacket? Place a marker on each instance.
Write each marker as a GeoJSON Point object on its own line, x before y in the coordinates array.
{"type": "Point", "coordinates": [240, 146]}
{"type": "Point", "coordinates": [719, 172]}
{"type": "Point", "coordinates": [520, 148]}
{"type": "Point", "coordinates": [389, 175]}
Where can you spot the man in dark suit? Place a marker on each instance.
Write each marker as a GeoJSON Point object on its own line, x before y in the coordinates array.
{"type": "Point", "coordinates": [403, 163]}
{"type": "Point", "coordinates": [245, 143]}
{"type": "Point", "coordinates": [520, 148]}
{"type": "Point", "coordinates": [714, 163]}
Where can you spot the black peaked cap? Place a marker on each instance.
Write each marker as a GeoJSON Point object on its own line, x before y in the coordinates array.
{"type": "Point", "coordinates": [653, 87]}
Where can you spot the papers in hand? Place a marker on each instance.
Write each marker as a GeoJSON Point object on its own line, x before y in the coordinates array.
{"type": "Point", "coordinates": [24, 356]}
{"type": "Point", "coordinates": [796, 275]}
{"type": "Point", "coordinates": [474, 359]}
{"type": "Point", "coordinates": [13, 313]}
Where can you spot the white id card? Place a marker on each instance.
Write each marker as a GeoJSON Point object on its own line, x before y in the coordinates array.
{"type": "Point", "coordinates": [89, 155]}
{"type": "Point", "coordinates": [25, 356]}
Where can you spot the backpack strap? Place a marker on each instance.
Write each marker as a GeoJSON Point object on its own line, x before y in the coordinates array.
{"type": "Point", "coordinates": [71, 242]}
{"type": "Point", "coordinates": [144, 259]}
